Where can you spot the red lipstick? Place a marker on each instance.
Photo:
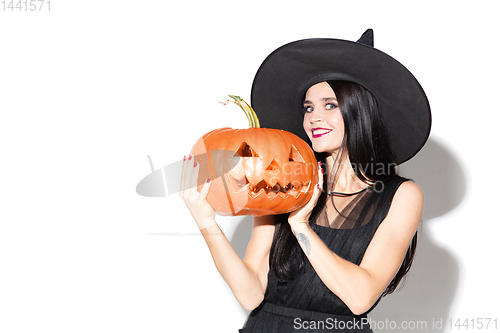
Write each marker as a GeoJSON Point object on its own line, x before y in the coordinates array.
{"type": "Point", "coordinates": [319, 131]}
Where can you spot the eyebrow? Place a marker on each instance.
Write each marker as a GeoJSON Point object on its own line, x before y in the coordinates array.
{"type": "Point", "coordinates": [323, 99]}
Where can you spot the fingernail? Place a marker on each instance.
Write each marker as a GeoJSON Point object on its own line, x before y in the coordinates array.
{"type": "Point", "coordinates": [322, 170]}
{"type": "Point", "coordinates": [195, 164]}
{"type": "Point", "coordinates": [208, 180]}
{"type": "Point", "coordinates": [317, 186]}
{"type": "Point", "coordinates": [190, 157]}
{"type": "Point", "coordinates": [184, 158]}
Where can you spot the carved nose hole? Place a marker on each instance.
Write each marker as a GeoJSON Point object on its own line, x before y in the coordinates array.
{"type": "Point", "coordinates": [273, 166]}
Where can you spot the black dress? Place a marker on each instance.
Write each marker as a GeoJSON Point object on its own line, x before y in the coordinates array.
{"type": "Point", "coordinates": [305, 303]}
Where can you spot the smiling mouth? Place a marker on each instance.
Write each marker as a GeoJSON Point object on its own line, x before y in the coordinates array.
{"type": "Point", "coordinates": [316, 133]}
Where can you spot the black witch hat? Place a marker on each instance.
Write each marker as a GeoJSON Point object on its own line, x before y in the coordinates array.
{"type": "Point", "coordinates": [286, 74]}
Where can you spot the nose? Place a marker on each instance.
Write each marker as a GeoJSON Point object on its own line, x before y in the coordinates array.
{"type": "Point", "coordinates": [315, 116]}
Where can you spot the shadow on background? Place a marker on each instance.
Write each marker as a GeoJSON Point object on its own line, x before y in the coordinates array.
{"type": "Point", "coordinates": [239, 241]}
{"type": "Point", "coordinates": [167, 180]}
{"type": "Point", "coordinates": [432, 283]}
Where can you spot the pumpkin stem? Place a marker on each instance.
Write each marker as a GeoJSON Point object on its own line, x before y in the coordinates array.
{"type": "Point", "coordinates": [253, 121]}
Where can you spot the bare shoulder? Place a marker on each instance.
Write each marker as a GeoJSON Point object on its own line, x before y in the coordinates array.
{"type": "Point", "coordinates": [263, 227]}
{"type": "Point", "coordinates": [406, 210]}
{"type": "Point", "coordinates": [262, 237]}
{"type": "Point", "coordinates": [410, 191]}
{"type": "Point", "coordinates": [267, 220]}
{"type": "Point", "coordinates": [408, 200]}
{"type": "Point", "coordinates": [259, 247]}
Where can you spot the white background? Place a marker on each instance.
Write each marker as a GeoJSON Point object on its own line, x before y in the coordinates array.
{"type": "Point", "coordinates": [91, 88]}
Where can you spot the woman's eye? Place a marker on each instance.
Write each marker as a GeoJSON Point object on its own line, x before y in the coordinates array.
{"type": "Point", "coordinates": [308, 109]}
{"type": "Point", "coordinates": [330, 106]}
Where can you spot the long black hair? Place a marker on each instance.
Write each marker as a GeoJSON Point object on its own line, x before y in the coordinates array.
{"type": "Point", "coordinates": [366, 144]}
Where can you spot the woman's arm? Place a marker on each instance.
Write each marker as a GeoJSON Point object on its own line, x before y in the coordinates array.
{"type": "Point", "coordinates": [246, 278]}
{"type": "Point", "coordinates": [360, 286]}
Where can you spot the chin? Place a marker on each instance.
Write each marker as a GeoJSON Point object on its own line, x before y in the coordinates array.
{"type": "Point", "coordinates": [323, 146]}
{"type": "Point", "coordinates": [319, 148]}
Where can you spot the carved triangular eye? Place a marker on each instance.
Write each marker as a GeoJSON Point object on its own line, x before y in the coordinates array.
{"type": "Point", "coordinates": [273, 166]}
{"type": "Point", "coordinates": [295, 155]}
{"type": "Point", "coordinates": [246, 151]}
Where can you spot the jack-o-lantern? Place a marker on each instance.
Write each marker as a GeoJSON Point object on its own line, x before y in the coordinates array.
{"type": "Point", "coordinates": [270, 171]}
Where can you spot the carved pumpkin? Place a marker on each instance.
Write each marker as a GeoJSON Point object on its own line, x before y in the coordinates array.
{"type": "Point", "coordinates": [270, 171]}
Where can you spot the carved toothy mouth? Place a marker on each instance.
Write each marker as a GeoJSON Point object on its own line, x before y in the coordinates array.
{"type": "Point", "coordinates": [267, 181]}
{"type": "Point", "coordinates": [271, 191]}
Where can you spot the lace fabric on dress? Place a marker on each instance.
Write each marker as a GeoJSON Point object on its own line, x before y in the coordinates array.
{"type": "Point", "coordinates": [357, 212]}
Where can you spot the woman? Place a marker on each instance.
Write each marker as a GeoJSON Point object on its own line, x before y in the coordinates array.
{"type": "Point", "coordinates": [326, 265]}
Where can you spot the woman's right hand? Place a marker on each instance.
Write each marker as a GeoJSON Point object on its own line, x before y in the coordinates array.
{"type": "Point", "coordinates": [196, 202]}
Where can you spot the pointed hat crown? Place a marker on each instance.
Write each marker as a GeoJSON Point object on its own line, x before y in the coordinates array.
{"type": "Point", "coordinates": [366, 38]}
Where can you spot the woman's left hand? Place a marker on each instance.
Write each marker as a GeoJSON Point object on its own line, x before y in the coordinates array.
{"type": "Point", "coordinates": [303, 214]}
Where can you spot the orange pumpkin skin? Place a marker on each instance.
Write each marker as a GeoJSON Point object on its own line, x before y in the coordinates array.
{"type": "Point", "coordinates": [270, 171]}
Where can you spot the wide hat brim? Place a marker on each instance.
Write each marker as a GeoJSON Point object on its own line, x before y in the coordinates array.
{"type": "Point", "coordinates": [286, 74]}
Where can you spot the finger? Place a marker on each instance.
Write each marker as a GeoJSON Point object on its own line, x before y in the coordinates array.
{"type": "Point", "coordinates": [186, 174]}
{"type": "Point", "coordinates": [318, 187]}
{"type": "Point", "coordinates": [205, 189]}
{"type": "Point", "coordinates": [183, 176]}
{"type": "Point", "coordinates": [316, 194]}
{"type": "Point", "coordinates": [194, 170]}
{"type": "Point", "coordinates": [320, 176]}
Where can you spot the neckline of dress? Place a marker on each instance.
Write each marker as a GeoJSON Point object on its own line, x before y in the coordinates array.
{"type": "Point", "coordinates": [341, 194]}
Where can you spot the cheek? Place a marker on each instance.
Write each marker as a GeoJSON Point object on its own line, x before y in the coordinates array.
{"type": "Point", "coordinates": [336, 120]}
{"type": "Point", "coordinates": [306, 125]}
